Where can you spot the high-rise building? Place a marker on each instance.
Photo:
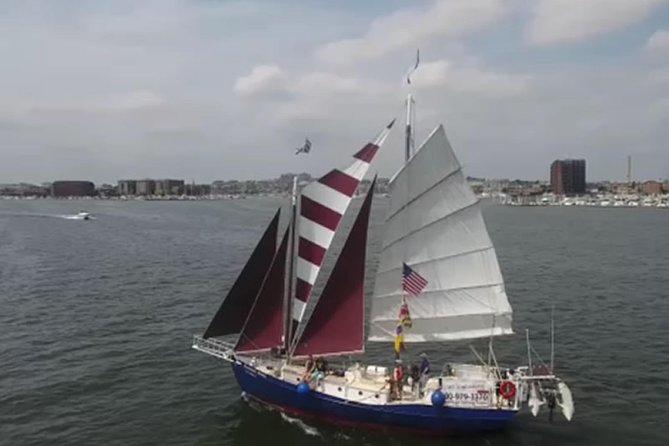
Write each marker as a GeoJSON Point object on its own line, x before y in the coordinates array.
{"type": "Point", "coordinates": [146, 187]}
{"type": "Point", "coordinates": [568, 177]}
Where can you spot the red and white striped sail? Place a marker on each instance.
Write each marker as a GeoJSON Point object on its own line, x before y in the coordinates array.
{"type": "Point", "coordinates": [336, 325]}
{"type": "Point", "coordinates": [322, 206]}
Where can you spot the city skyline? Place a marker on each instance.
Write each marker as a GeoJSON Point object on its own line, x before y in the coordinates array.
{"type": "Point", "coordinates": [547, 178]}
{"type": "Point", "coordinates": [212, 90]}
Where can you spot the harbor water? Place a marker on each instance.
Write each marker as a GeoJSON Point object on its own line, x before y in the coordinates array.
{"type": "Point", "coordinates": [97, 317]}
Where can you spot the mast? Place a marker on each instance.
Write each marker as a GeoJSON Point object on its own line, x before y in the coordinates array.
{"type": "Point", "coordinates": [409, 137]}
{"type": "Point", "coordinates": [288, 297]}
{"type": "Point", "coordinates": [552, 336]}
{"type": "Point", "coordinates": [529, 352]}
{"type": "Point", "coordinates": [409, 143]}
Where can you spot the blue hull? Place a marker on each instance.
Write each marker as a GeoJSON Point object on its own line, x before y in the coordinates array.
{"type": "Point", "coordinates": [414, 418]}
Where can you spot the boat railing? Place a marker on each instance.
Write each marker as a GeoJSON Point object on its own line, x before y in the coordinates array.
{"type": "Point", "coordinates": [215, 347]}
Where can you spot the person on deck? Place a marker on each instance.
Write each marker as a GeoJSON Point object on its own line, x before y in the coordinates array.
{"type": "Point", "coordinates": [319, 370]}
{"type": "Point", "coordinates": [424, 372]}
{"type": "Point", "coordinates": [398, 379]}
{"type": "Point", "coordinates": [414, 373]}
{"type": "Point", "coordinates": [309, 368]}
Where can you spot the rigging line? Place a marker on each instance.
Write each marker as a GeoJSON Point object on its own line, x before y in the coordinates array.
{"type": "Point", "coordinates": [378, 320]}
{"type": "Point", "coordinates": [445, 290]}
{"type": "Point", "coordinates": [483, 304]}
{"type": "Point", "coordinates": [449, 256]}
{"type": "Point", "coordinates": [408, 203]}
{"type": "Point", "coordinates": [255, 301]}
{"type": "Point", "coordinates": [440, 219]}
{"type": "Point", "coordinates": [539, 356]}
{"type": "Point", "coordinates": [388, 332]}
{"type": "Point", "coordinates": [476, 354]}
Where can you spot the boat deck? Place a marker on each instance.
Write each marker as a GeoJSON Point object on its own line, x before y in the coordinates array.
{"type": "Point", "coordinates": [466, 386]}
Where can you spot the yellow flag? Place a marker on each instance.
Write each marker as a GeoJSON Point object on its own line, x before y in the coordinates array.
{"type": "Point", "coordinates": [399, 340]}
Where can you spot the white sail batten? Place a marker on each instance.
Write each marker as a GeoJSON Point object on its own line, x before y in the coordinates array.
{"type": "Point", "coordinates": [435, 225]}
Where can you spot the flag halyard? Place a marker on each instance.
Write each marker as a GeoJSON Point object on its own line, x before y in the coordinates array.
{"type": "Point", "coordinates": [412, 283]}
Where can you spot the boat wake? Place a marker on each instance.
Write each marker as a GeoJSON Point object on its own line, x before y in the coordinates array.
{"type": "Point", "coordinates": [309, 430]}
{"type": "Point", "coordinates": [79, 216]}
{"type": "Point", "coordinates": [74, 217]}
{"type": "Point", "coordinates": [38, 215]}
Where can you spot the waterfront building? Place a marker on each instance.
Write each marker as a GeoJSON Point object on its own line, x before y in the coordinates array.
{"type": "Point", "coordinates": [651, 187]}
{"type": "Point", "coordinates": [169, 187]}
{"type": "Point", "coordinates": [568, 176]}
{"type": "Point", "coordinates": [24, 190]}
{"type": "Point", "coordinates": [127, 187]}
{"type": "Point", "coordinates": [107, 191]}
{"type": "Point", "coordinates": [146, 187]}
{"type": "Point", "coordinates": [198, 189]}
{"type": "Point", "coordinates": [72, 189]}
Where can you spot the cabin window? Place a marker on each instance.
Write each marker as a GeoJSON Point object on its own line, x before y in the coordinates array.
{"type": "Point", "coordinates": [297, 379]}
{"type": "Point", "coordinates": [360, 392]}
{"type": "Point", "coordinates": [339, 389]}
{"type": "Point", "coordinates": [376, 396]}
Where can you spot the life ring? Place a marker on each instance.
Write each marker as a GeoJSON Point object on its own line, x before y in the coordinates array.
{"type": "Point", "coordinates": [507, 389]}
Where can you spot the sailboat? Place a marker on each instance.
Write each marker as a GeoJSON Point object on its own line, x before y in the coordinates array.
{"type": "Point", "coordinates": [454, 291]}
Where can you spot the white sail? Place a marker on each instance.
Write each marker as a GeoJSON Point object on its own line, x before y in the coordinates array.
{"type": "Point", "coordinates": [435, 226]}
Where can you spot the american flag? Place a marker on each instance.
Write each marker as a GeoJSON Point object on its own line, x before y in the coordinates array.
{"type": "Point", "coordinates": [412, 282]}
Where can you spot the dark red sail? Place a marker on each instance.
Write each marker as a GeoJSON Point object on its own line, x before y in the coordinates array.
{"type": "Point", "coordinates": [264, 326]}
{"type": "Point", "coordinates": [236, 307]}
{"type": "Point", "coordinates": [336, 325]}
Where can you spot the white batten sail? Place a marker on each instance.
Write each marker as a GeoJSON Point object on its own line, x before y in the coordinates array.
{"type": "Point", "coordinates": [435, 226]}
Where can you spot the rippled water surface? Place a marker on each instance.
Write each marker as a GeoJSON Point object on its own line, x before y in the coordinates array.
{"type": "Point", "coordinates": [97, 316]}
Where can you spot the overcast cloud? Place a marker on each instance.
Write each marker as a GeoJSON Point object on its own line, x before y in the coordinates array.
{"type": "Point", "coordinates": [207, 89]}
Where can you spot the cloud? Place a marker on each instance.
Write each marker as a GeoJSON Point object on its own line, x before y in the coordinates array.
{"type": "Point", "coordinates": [263, 79]}
{"type": "Point", "coordinates": [569, 21]}
{"type": "Point", "coordinates": [409, 28]}
{"type": "Point", "coordinates": [122, 102]}
{"type": "Point", "coordinates": [658, 42]}
{"type": "Point", "coordinates": [210, 89]}
{"type": "Point", "coordinates": [658, 76]}
{"type": "Point", "coordinates": [469, 79]}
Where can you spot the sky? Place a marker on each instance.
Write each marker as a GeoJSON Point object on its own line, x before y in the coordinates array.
{"type": "Point", "coordinates": [212, 89]}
